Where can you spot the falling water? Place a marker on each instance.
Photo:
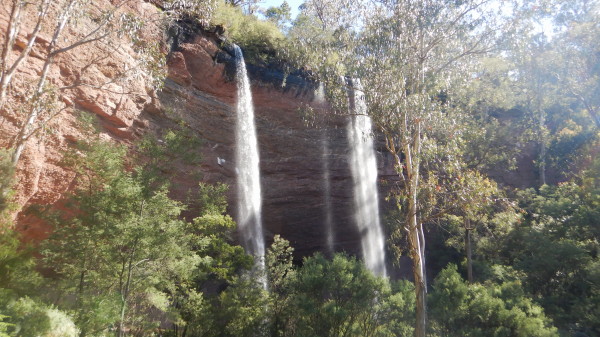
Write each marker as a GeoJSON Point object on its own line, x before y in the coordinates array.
{"type": "Point", "coordinates": [325, 158]}
{"type": "Point", "coordinates": [247, 168]}
{"type": "Point", "coordinates": [363, 165]}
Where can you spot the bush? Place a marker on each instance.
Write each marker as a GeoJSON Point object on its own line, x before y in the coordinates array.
{"type": "Point", "coordinates": [26, 317]}
{"type": "Point", "coordinates": [259, 39]}
{"type": "Point", "coordinates": [459, 309]}
{"type": "Point", "coordinates": [61, 324]}
{"type": "Point", "coordinates": [340, 297]}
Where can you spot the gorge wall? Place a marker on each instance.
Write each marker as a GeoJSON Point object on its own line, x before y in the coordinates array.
{"type": "Point", "coordinates": [199, 92]}
{"type": "Point", "coordinates": [293, 156]}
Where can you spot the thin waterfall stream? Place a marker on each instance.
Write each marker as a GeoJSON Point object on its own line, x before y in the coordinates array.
{"type": "Point", "coordinates": [325, 158]}
{"type": "Point", "coordinates": [363, 165]}
{"type": "Point", "coordinates": [247, 169]}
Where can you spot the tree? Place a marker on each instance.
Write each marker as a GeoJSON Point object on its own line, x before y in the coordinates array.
{"type": "Point", "coordinates": [337, 297]}
{"type": "Point", "coordinates": [476, 199]}
{"type": "Point", "coordinates": [199, 309]}
{"type": "Point", "coordinates": [413, 57]}
{"type": "Point", "coordinates": [555, 248]}
{"type": "Point", "coordinates": [418, 51]}
{"type": "Point", "coordinates": [459, 309]}
{"type": "Point", "coordinates": [115, 244]}
{"type": "Point", "coordinates": [23, 312]}
{"type": "Point", "coordinates": [249, 4]}
{"type": "Point", "coordinates": [281, 15]}
{"type": "Point", "coordinates": [280, 270]}
{"type": "Point", "coordinates": [242, 309]}
{"type": "Point", "coordinates": [577, 45]}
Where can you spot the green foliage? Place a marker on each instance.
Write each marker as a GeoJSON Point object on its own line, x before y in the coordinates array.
{"type": "Point", "coordinates": [61, 324]}
{"type": "Point", "coordinates": [212, 199]}
{"type": "Point", "coordinates": [280, 16]}
{"type": "Point", "coordinates": [120, 249]}
{"type": "Point", "coordinates": [159, 154]}
{"type": "Point", "coordinates": [26, 317]}
{"type": "Point", "coordinates": [18, 276]}
{"type": "Point", "coordinates": [4, 326]}
{"type": "Point", "coordinates": [219, 262]}
{"type": "Point", "coordinates": [340, 297]}
{"type": "Point", "coordinates": [213, 231]}
{"type": "Point", "coordinates": [280, 270]}
{"type": "Point", "coordinates": [114, 242]}
{"type": "Point", "coordinates": [259, 39]}
{"type": "Point", "coordinates": [29, 317]}
{"type": "Point", "coordinates": [17, 273]}
{"type": "Point", "coordinates": [492, 310]}
{"type": "Point", "coordinates": [555, 248]}
{"type": "Point", "coordinates": [243, 309]}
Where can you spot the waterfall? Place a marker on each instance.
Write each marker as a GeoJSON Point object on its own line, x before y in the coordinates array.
{"type": "Point", "coordinates": [363, 165]}
{"type": "Point", "coordinates": [325, 158]}
{"type": "Point", "coordinates": [247, 169]}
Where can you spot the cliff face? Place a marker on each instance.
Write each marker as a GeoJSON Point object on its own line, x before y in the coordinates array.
{"type": "Point", "coordinates": [199, 92]}
{"type": "Point", "coordinates": [83, 78]}
{"type": "Point", "coordinates": [293, 157]}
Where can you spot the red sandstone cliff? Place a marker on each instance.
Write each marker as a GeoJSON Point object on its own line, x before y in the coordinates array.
{"type": "Point", "coordinates": [293, 156]}
{"type": "Point", "coordinates": [84, 78]}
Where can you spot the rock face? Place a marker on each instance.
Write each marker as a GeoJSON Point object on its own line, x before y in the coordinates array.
{"type": "Point", "coordinates": [200, 92]}
{"type": "Point", "coordinates": [292, 158]}
{"type": "Point", "coordinates": [41, 178]}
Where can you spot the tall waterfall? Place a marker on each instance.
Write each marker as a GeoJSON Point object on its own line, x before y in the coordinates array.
{"type": "Point", "coordinates": [363, 165]}
{"type": "Point", "coordinates": [247, 168]}
{"type": "Point", "coordinates": [325, 158]}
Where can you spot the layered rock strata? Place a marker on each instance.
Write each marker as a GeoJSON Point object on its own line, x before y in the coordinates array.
{"type": "Point", "coordinates": [199, 93]}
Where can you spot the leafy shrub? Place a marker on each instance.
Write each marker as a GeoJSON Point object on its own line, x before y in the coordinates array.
{"type": "Point", "coordinates": [459, 309]}
{"type": "Point", "coordinates": [259, 39]}
{"type": "Point", "coordinates": [340, 297]}
{"type": "Point", "coordinates": [61, 324]}
{"type": "Point", "coordinates": [27, 317]}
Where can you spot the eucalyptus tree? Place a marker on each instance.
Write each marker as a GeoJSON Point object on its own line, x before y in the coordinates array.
{"type": "Point", "coordinates": [554, 59]}
{"type": "Point", "coordinates": [413, 57]}
{"type": "Point", "coordinates": [281, 15]}
{"type": "Point", "coordinates": [578, 53]}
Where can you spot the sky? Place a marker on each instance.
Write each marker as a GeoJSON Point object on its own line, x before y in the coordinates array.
{"type": "Point", "coordinates": [275, 3]}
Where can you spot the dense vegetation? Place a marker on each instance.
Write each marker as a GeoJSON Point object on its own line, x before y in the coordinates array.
{"type": "Point", "coordinates": [462, 92]}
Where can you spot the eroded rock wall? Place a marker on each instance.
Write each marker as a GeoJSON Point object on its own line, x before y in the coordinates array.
{"type": "Point", "coordinates": [82, 79]}
{"type": "Point", "coordinates": [199, 93]}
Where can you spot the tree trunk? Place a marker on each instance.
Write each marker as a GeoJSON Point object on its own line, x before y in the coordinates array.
{"type": "Point", "coordinates": [83, 330]}
{"type": "Point", "coordinates": [28, 128]}
{"type": "Point", "coordinates": [124, 298]}
{"type": "Point", "coordinates": [14, 24]}
{"type": "Point", "coordinates": [417, 254]}
{"type": "Point", "coordinates": [468, 250]}
{"type": "Point", "coordinates": [414, 229]}
{"type": "Point", "coordinates": [542, 159]}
